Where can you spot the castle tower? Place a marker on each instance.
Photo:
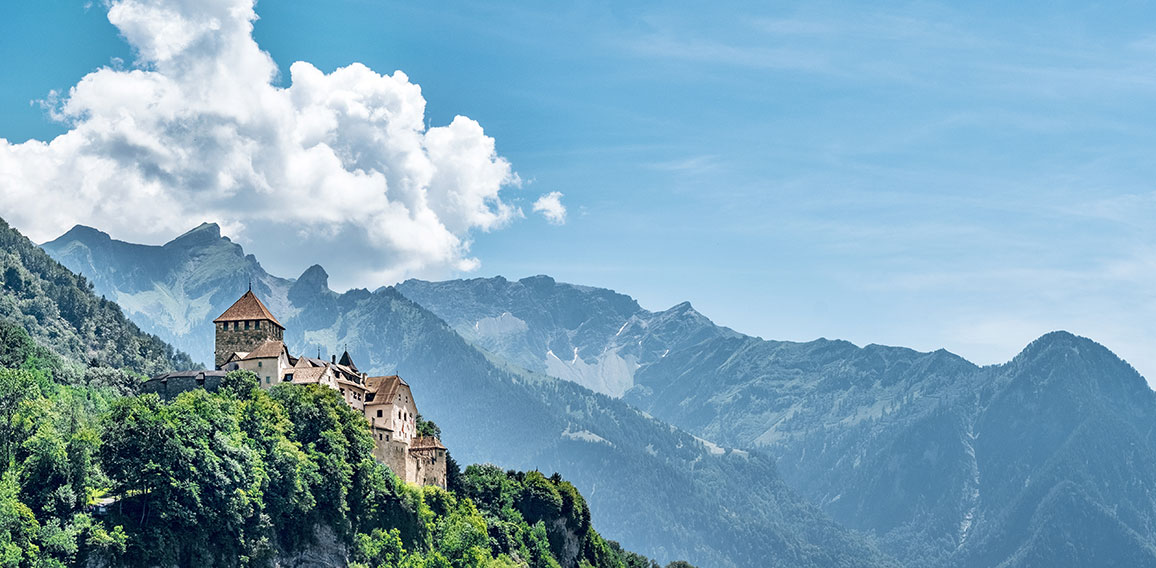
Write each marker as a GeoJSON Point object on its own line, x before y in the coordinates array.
{"type": "Point", "coordinates": [244, 326]}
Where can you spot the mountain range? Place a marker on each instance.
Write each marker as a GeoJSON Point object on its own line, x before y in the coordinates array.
{"type": "Point", "coordinates": [946, 463]}
{"type": "Point", "coordinates": [1045, 460]}
{"type": "Point", "coordinates": [650, 485]}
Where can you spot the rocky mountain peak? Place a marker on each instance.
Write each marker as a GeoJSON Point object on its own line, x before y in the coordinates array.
{"type": "Point", "coordinates": [314, 281]}
{"type": "Point", "coordinates": [202, 235]}
{"type": "Point", "coordinates": [539, 283]}
{"type": "Point", "coordinates": [84, 234]}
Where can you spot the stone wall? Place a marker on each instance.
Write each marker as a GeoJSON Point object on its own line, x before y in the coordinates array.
{"type": "Point", "coordinates": [423, 467]}
{"type": "Point", "coordinates": [169, 387]}
{"type": "Point", "coordinates": [231, 340]}
{"type": "Point", "coordinates": [393, 454]}
{"type": "Point", "coordinates": [429, 467]}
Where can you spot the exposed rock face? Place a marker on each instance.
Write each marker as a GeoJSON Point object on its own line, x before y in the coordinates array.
{"type": "Point", "coordinates": [327, 551]}
{"type": "Point", "coordinates": [594, 337]}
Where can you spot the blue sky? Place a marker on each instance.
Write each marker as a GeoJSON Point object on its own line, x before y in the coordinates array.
{"type": "Point", "coordinates": [916, 174]}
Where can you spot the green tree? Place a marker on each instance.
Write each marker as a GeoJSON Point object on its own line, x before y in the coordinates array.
{"type": "Point", "coordinates": [15, 386]}
{"type": "Point", "coordinates": [18, 527]}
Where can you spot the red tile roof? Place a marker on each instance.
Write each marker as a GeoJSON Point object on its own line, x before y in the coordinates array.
{"type": "Point", "coordinates": [270, 348]}
{"type": "Point", "coordinates": [248, 307]}
{"type": "Point", "coordinates": [384, 388]}
{"type": "Point", "coordinates": [307, 374]}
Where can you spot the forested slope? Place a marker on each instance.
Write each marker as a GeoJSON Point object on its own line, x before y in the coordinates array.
{"type": "Point", "coordinates": [60, 310]}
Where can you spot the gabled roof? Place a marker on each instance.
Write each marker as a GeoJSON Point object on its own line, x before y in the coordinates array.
{"type": "Point", "coordinates": [383, 388]}
{"type": "Point", "coordinates": [306, 362]}
{"type": "Point", "coordinates": [248, 307]}
{"type": "Point", "coordinates": [269, 349]}
{"type": "Point", "coordinates": [236, 356]}
{"type": "Point", "coordinates": [425, 443]}
{"type": "Point", "coordinates": [306, 374]}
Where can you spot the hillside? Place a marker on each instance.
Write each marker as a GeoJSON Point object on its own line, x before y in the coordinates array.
{"type": "Point", "coordinates": [59, 309]}
{"type": "Point", "coordinates": [947, 463]}
{"type": "Point", "coordinates": [659, 490]}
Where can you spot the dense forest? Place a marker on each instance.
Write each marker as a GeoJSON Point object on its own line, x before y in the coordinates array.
{"type": "Point", "coordinates": [59, 309]}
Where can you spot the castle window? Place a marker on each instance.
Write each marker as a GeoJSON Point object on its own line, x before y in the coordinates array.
{"type": "Point", "coordinates": [379, 413]}
{"type": "Point", "coordinates": [258, 363]}
{"type": "Point", "coordinates": [246, 324]}
{"type": "Point", "coordinates": [257, 324]}
{"type": "Point", "coordinates": [288, 376]}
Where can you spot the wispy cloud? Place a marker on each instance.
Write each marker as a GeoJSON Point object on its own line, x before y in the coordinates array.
{"type": "Point", "coordinates": [720, 53]}
{"type": "Point", "coordinates": [550, 206]}
{"type": "Point", "coordinates": [694, 165]}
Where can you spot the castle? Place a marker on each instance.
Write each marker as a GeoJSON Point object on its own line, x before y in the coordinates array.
{"type": "Point", "coordinates": [249, 337]}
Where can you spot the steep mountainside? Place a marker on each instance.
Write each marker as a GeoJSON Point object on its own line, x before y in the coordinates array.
{"type": "Point", "coordinates": [657, 489]}
{"type": "Point", "coordinates": [1065, 439]}
{"type": "Point", "coordinates": [59, 309]}
{"type": "Point", "coordinates": [946, 462]}
{"type": "Point", "coordinates": [592, 336]}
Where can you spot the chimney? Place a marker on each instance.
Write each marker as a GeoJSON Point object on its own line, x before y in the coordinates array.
{"type": "Point", "coordinates": [333, 358]}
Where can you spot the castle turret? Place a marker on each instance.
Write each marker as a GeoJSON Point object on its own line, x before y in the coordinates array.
{"type": "Point", "coordinates": [245, 326]}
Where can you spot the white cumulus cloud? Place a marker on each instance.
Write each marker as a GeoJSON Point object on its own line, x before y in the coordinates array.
{"type": "Point", "coordinates": [550, 206]}
{"type": "Point", "coordinates": [197, 130]}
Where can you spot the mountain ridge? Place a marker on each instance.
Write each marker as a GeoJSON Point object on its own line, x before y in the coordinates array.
{"type": "Point", "coordinates": [653, 487]}
{"type": "Point", "coordinates": [942, 462]}
{"type": "Point", "coordinates": [902, 444]}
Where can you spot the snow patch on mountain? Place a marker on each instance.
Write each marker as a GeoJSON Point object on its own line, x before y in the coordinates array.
{"type": "Point", "coordinates": [502, 326]}
{"type": "Point", "coordinates": [712, 447]}
{"type": "Point", "coordinates": [610, 374]}
{"type": "Point", "coordinates": [278, 298]}
{"type": "Point", "coordinates": [585, 436]}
